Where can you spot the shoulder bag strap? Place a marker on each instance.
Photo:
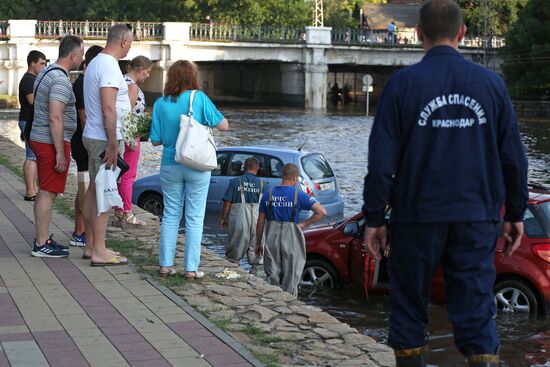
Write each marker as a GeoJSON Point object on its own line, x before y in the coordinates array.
{"type": "Point", "coordinates": [293, 216]}
{"type": "Point", "coordinates": [46, 72]}
{"type": "Point", "coordinates": [191, 99]}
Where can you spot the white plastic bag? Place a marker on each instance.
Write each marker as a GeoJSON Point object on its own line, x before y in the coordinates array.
{"type": "Point", "coordinates": [106, 189]}
{"type": "Point", "coordinates": [195, 145]}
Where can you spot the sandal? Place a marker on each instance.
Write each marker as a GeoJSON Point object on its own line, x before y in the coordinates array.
{"type": "Point", "coordinates": [132, 219]}
{"type": "Point", "coordinates": [196, 274]}
{"type": "Point", "coordinates": [117, 260]}
{"type": "Point", "coordinates": [169, 272]}
{"type": "Point", "coordinates": [29, 198]}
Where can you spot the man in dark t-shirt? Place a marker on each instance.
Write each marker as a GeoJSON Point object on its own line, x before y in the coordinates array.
{"type": "Point", "coordinates": [36, 61]}
{"type": "Point", "coordinates": [79, 153]}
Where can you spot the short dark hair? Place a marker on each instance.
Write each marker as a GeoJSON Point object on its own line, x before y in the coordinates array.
{"type": "Point", "coordinates": [290, 171]}
{"type": "Point", "coordinates": [440, 19]}
{"type": "Point", "coordinates": [69, 44]}
{"type": "Point", "coordinates": [35, 56]}
{"type": "Point", "coordinates": [92, 52]}
{"type": "Point", "coordinates": [251, 163]}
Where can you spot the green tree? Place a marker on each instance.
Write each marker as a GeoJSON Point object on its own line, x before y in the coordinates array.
{"type": "Point", "coordinates": [527, 51]}
{"type": "Point", "coordinates": [500, 15]}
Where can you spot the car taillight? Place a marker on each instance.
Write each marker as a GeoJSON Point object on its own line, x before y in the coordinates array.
{"type": "Point", "coordinates": [305, 187]}
{"type": "Point", "coordinates": [542, 250]}
{"type": "Point", "coordinates": [317, 186]}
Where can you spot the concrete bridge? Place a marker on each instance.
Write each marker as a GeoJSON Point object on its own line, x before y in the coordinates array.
{"type": "Point", "coordinates": [286, 66]}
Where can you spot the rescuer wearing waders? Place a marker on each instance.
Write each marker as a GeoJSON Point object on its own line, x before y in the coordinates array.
{"type": "Point", "coordinates": [285, 247]}
{"type": "Point", "coordinates": [446, 154]}
{"type": "Point", "coordinates": [240, 213]}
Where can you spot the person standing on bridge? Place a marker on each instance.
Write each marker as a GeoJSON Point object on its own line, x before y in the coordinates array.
{"type": "Point", "coordinates": [445, 153]}
{"type": "Point", "coordinates": [106, 103]}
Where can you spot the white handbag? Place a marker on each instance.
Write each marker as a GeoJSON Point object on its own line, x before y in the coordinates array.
{"type": "Point", "coordinates": [195, 146]}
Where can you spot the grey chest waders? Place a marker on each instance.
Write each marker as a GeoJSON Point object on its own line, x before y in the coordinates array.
{"type": "Point", "coordinates": [241, 229]}
{"type": "Point", "coordinates": [284, 250]}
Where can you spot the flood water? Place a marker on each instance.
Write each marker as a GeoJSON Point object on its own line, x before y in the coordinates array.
{"type": "Point", "coordinates": [342, 136]}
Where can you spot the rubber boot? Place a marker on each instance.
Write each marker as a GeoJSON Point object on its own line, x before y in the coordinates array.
{"type": "Point", "coordinates": [483, 360]}
{"type": "Point", "coordinates": [415, 357]}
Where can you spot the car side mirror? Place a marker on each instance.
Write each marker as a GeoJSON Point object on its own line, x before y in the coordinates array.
{"type": "Point", "coordinates": [351, 229]}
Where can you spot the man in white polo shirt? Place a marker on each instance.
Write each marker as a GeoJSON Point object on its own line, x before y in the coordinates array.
{"type": "Point", "coordinates": [106, 102]}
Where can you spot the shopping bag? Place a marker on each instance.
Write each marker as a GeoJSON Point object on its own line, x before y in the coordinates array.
{"type": "Point", "coordinates": [195, 146]}
{"type": "Point", "coordinates": [106, 189]}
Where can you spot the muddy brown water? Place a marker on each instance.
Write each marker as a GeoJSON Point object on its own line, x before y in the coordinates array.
{"type": "Point", "coordinates": [342, 136]}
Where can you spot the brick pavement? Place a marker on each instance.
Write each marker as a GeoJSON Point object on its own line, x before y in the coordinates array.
{"type": "Point", "coordinates": [63, 312]}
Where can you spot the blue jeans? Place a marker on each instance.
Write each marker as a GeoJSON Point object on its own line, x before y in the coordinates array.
{"type": "Point", "coordinates": [29, 154]}
{"type": "Point", "coordinates": [182, 187]}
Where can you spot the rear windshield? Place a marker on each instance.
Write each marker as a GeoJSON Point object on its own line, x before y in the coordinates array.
{"type": "Point", "coordinates": [316, 166]}
{"type": "Point", "coordinates": [545, 207]}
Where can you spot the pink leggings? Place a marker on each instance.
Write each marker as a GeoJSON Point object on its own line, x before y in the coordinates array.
{"type": "Point", "coordinates": [127, 180]}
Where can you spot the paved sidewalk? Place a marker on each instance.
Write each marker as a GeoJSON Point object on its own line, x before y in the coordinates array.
{"type": "Point", "coordinates": [63, 312]}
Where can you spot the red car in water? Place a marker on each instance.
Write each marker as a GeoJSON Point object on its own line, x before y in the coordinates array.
{"type": "Point", "coordinates": [336, 257]}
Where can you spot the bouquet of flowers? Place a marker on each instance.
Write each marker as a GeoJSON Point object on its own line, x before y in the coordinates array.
{"type": "Point", "coordinates": [136, 126]}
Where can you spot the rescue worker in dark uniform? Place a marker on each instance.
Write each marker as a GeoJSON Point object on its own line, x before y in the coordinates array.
{"type": "Point", "coordinates": [285, 247]}
{"type": "Point", "coordinates": [445, 153]}
{"type": "Point", "coordinates": [240, 213]}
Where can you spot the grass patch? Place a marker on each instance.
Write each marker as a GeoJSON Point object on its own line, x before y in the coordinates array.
{"type": "Point", "coordinates": [176, 280]}
{"type": "Point", "coordinates": [62, 204]}
{"type": "Point", "coordinates": [5, 162]}
{"type": "Point", "coordinates": [222, 324]}
{"type": "Point", "coordinates": [140, 255]}
{"type": "Point", "coordinates": [270, 360]}
{"type": "Point", "coordinates": [260, 336]}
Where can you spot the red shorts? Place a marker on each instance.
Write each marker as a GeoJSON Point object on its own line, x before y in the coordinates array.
{"type": "Point", "coordinates": [48, 178]}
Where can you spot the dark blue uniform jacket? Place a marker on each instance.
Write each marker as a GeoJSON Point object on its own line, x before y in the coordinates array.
{"type": "Point", "coordinates": [445, 146]}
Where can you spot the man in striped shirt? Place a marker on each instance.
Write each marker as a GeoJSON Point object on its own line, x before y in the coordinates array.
{"type": "Point", "coordinates": [53, 126]}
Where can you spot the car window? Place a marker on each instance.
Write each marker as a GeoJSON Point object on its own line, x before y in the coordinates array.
{"type": "Point", "coordinates": [531, 225]}
{"type": "Point", "coordinates": [316, 166]}
{"type": "Point", "coordinates": [275, 167]}
{"type": "Point", "coordinates": [236, 165]}
{"type": "Point", "coordinates": [223, 157]}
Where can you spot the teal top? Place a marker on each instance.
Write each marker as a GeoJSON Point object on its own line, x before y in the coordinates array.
{"type": "Point", "coordinates": [166, 120]}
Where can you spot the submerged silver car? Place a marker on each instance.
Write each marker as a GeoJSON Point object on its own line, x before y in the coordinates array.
{"type": "Point", "coordinates": [316, 178]}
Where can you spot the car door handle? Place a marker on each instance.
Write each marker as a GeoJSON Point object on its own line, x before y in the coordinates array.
{"type": "Point", "coordinates": [213, 181]}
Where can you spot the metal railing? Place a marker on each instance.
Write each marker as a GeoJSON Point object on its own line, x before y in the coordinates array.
{"type": "Point", "coordinates": [95, 30]}
{"type": "Point", "coordinates": [4, 29]}
{"type": "Point", "coordinates": [360, 37]}
{"type": "Point", "coordinates": [239, 33]}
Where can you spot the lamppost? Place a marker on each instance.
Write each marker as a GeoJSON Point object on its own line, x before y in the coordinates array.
{"type": "Point", "coordinates": [485, 32]}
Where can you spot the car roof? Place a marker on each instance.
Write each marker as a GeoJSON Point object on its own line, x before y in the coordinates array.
{"type": "Point", "coordinates": [267, 149]}
{"type": "Point", "coordinates": [538, 196]}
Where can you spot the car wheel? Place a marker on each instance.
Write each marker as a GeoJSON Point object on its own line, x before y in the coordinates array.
{"type": "Point", "coordinates": [515, 296]}
{"type": "Point", "coordinates": [152, 202]}
{"type": "Point", "coordinates": [319, 274]}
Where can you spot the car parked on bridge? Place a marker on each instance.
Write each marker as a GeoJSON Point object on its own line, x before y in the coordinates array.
{"type": "Point", "coordinates": [336, 257]}
{"type": "Point", "coordinates": [316, 177]}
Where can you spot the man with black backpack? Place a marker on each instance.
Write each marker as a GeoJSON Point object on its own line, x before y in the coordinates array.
{"type": "Point", "coordinates": [36, 61]}
{"type": "Point", "coordinates": [53, 127]}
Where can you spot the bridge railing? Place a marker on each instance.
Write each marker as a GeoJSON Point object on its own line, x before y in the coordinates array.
{"type": "Point", "coordinates": [239, 33]}
{"type": "Point", "coordinates": [4, 29]}
{"type": "Point", "coordinates": [95, 30]}
{"type": "Point", "coordinates": [361, 37]}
